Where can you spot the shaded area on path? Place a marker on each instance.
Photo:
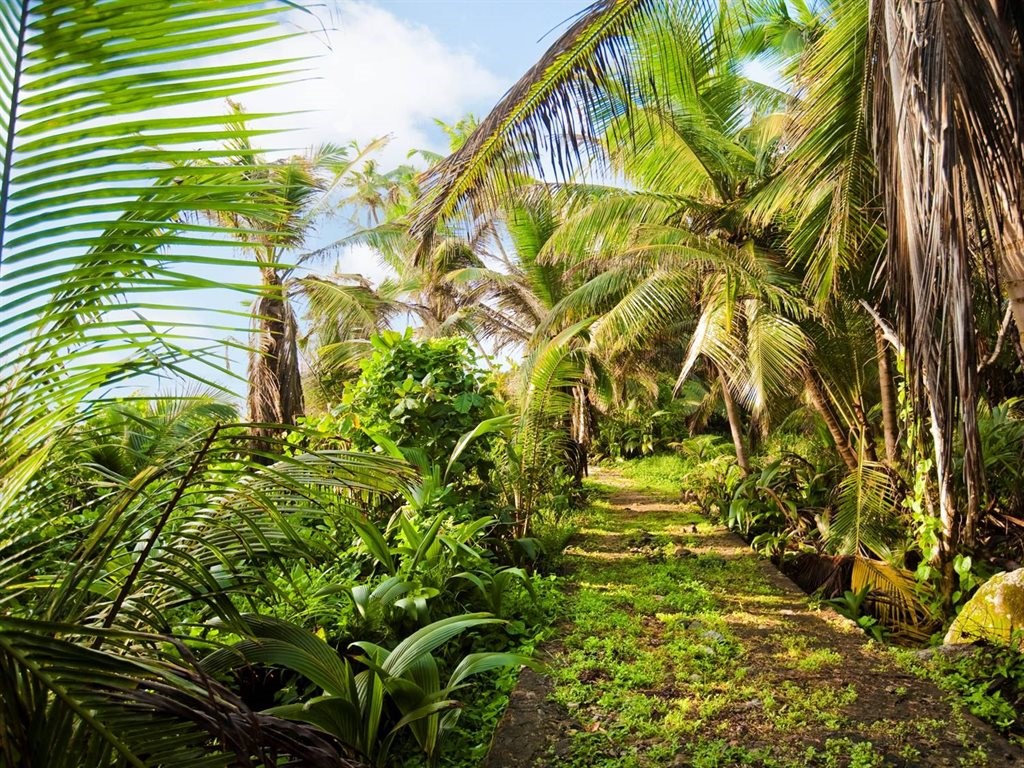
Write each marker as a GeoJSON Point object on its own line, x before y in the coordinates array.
{"type": "Point", "coordinates": [681, 647]}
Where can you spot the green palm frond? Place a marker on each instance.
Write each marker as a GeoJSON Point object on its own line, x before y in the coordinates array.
{"type": "Point", "coordinates": [867, 510]}
{"type": "Point", "coordinates": [825, 190]}
{"type": "Point", "coordinates": [563, 104]}
{"type": "Point", "coordinates": [553, 370]}
{"type": "Point", "coordinates": [106, 108]}
{"type": "Point", "coordinates": [607, 226]}
{"type": "Point", "coordinates": [126, 551]}
{"type": "Point", "coordinates": [66, 704]}
{"type": "Point", "coordinates": [776, 351]}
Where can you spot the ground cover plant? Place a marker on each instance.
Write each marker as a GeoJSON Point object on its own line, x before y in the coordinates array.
{"type": "Point", "coordinates": [678, 648]}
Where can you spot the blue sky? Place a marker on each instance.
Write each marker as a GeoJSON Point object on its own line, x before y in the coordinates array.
{"type": "Point", "coordinates": [504, 35]}
{"type": "Point", "coordinates": [391, 66]}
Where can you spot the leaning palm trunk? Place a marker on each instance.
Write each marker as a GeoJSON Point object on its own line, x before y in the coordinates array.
{"type": "Point", "coordinates": [819, 401]}
{"type": "Point", "coordinates": [275, 384]}
{"type": "Point", "coordinates": [890, 423]}
{"type": "Point", "coordinates": [735, 424]}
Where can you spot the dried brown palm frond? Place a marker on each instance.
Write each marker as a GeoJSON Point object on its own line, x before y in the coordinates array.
{"type": "Point", "coordinates": [947, 137]}
{"type": "Point", "coordinates": [895, 597]}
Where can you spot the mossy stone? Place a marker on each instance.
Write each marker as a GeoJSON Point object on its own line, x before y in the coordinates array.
{"type": "Point", "coordinates": [993, 613]}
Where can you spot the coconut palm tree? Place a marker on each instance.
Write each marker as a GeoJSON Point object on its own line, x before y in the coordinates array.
{"type": "Point", "coordinates": [294, 195]}
{"type": "Point", "coordinates": [674, 248]}
{"type": "Point", "coordinates": [942, 132]}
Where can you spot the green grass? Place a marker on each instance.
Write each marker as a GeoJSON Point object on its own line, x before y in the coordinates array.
{"type": "Point", "coordinates": [663, 473]}
{"type": "Point", "coordinates": [673, 650]}
{"type": "Point", "coordinates": [669, 649]}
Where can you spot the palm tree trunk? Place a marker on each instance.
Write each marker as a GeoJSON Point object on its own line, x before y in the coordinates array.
{"type": "Point", "coordinates": [275, 383]}
{"type": "Point", "coordinates": [890, 424]}
{"type": "Point", "coordinates": [582, 431]}
{"type": "Point", "coordinates": [735, 424]}
{"type": "Point", "coordinates": [1013, 270]}
{"type": "Point", "coordinates": [952, 521]}
{"type": "Point", "coordinates": [866, 430]}
{"type": "Point", "coordinates": [820, 403]}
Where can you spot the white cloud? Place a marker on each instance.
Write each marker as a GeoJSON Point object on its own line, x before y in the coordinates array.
{"type": "Point", "coordinates": [363, 260]}
{"type": "Point", "coordinates": [375, 74]}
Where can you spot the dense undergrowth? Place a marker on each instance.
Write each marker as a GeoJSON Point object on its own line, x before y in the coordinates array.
{"type": "Point", "coordinates": [381, 577]}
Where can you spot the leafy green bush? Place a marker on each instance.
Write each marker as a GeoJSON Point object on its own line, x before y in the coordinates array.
{"type": "Point", "coordinates": [628, 432]}
{"type": "Point", "coordinates": [426, 394]}
{"type": "Point", "coordinates": [775, 502]}
{"type": "Point", "coordinates": [380, 695]}
{"type": "Point", "coordinates": [640, 427]}
{"type": "Point", "coordinates": [1001, 431]}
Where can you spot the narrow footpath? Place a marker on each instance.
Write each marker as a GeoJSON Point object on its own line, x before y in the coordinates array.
{"type": "Point", "coordinates": [680, 647]}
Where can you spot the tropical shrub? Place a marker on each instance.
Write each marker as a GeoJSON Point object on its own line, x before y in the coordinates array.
{"type": "Point", "coordinates": [369, 701]}
{"type": "Point", "coordinates": [1001, 428]}
{"type": "Point", "coordinates": [645, 426]}
{"type": "Point", "coordinates": [778, 501]}
{"type": "Point", "coordinates": [426, 394]}
{"type": "Point", "coordinates": [628, 432]}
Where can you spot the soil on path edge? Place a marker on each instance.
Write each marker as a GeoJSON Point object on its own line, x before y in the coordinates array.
{"type": "Point", "coordinates": [681, 647]}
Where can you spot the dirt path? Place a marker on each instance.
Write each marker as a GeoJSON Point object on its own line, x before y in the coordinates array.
{"type": "Point", "coordinates": [680, 647]}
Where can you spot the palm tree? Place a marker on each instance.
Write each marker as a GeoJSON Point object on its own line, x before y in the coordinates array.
{"type": "Point", "coordinates": [294, 194]}
{"type": "Point", "coordinates": [887, 64]}
{"type": "Point", "coordinates": [944, 136]}
{"type": "Point", "coordinates": [343, 311]}
{"type": "Point", "coordinates": [649, 256]}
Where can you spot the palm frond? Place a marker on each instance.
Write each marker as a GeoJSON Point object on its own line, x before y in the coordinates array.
{"type": "Point", "coordinates": [563, 104]}
{"type": "Point", "coordinates": [895, 597]}
{"type": "Point", "coordinates": [105, 105]}
{"type": "Point", "coordinates": [67, 704]}
{"type": "Point", "coordinates": [825, 191]}
{"type": "Point", "coordinates": [867, 511]}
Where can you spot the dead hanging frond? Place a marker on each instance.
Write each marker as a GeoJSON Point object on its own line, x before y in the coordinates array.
{"type": "Point", "coordinates": [558, 114]}
{"type": "Point", "coordinates": [947, 136]}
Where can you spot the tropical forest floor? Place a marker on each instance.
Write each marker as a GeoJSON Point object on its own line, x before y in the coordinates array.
{"type": "Point", "coordinates": [681, 647]}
